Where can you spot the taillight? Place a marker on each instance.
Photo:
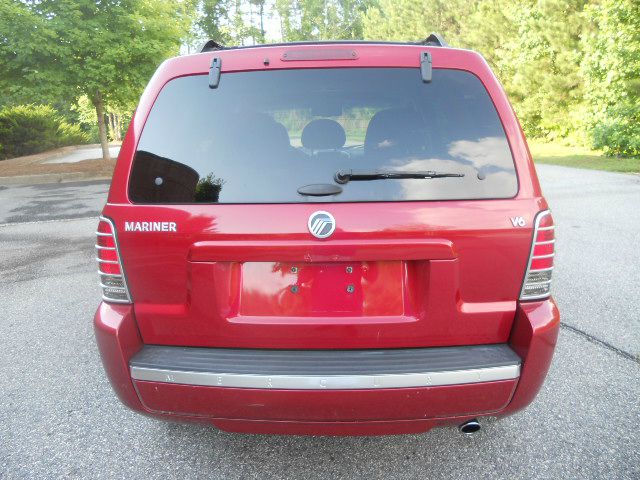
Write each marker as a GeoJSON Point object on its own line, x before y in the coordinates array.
{"type": "Point", "coordinates": [537, 279]}
{"type": "Point", "coordinates": [112, 280]}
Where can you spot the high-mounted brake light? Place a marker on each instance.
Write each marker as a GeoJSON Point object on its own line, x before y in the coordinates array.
{"type": "Point", "coordinates": [537, 279]}
{"type": "Point", "coordinates": [112, 280]}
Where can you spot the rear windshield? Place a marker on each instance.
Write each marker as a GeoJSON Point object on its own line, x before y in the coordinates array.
{"type": "Point", "coordinates": [261, 137]}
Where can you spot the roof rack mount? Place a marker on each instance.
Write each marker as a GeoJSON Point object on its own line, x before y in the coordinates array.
{"type": "Point", "coordinates": [210, 46]}
{"type": "Point", "coordinates": [435, 40]}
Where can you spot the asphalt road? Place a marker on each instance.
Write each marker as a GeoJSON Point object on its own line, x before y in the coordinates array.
{"type": "Point", "coordinates": [60, 419]}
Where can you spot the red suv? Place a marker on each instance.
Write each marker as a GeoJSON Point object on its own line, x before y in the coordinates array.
{"type": "Point", "coordinates": [326, 238]}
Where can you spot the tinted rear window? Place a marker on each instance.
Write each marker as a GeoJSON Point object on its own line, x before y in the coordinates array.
{"type": "Point", "coordinates": [261, 136]}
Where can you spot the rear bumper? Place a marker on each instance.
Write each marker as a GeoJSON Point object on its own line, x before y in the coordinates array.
{"type": "Point", "coordinates": [495, 383]}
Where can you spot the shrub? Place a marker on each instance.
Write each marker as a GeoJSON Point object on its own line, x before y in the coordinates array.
{"type": "Point", "coordinates": [619, 132]}
{"type": "Point", "coordinates": [27, 129]}
{"type": "Point", "coordinates": [72, 134]}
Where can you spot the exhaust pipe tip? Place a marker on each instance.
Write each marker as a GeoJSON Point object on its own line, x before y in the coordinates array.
{"type": "Point", "coordinates": [470, 427]}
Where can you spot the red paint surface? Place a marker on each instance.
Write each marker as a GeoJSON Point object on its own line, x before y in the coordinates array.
{"type": "Point", "coordinates": [326, 405]}
{"type": "Point", "coordinates": [463, 261]}
{"type": "Point", "coordinates": [463, 270]}
{"type": "Point", "coordinates": [533, 338]}
{"type": "Point", "coordinates": [338, 289]}
{"type": "Point", "coordinates": [220, 280]}
{"type": "Point", "coordinates": [118, 340]}
{"type": "Point", "coordinates": [366, 412]}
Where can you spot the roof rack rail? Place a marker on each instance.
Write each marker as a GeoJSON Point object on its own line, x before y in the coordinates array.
{"type": "Point", "coordinates": [210, 46]}
{"type": "Point", "coordinates": [435, 40]}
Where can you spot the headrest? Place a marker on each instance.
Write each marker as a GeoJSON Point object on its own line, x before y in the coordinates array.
{"type": "Point", "coordinates": [395, 132]}
{"type": "Point", "coordinates": [265, 132]}
{"type": "Point", "coordinates": [323, 134]}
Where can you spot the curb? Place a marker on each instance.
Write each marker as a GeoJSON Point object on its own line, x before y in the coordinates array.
{"type": "Point", "coordinates": [26, 180]}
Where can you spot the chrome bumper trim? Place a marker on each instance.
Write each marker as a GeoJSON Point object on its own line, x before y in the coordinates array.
{"type": "Point", "coordinates": [329, 382]}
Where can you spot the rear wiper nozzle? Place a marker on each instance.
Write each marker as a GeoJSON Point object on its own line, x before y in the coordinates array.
{"type": "Point", "coordinates": [346, 176]}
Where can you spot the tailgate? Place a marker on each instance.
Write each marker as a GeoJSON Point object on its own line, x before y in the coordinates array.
{"type": "Point", "coordinates": [392, 275]}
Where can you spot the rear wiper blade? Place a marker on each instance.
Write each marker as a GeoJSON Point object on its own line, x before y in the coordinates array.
{"type": "Point", "coordinates": [345, 176]}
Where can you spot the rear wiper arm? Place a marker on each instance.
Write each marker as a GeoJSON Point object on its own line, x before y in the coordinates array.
{"type": "Point", "coordinates": [346, 176]}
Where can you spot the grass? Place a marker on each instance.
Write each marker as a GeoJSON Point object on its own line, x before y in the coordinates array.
{"type": "Point", "coordinates": [581, 157]}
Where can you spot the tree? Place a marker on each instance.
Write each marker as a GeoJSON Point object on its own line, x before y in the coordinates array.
{"type": "Point", "coordinates": [213, 20]}
{"type": "Point", "coordinates": [412, 20]}
{"type": "Point", "coordinates": [532, 45]}
{"type": "Point", "coordinates": [231, 22]}
{"type": "Point", "coordinates": [258, 32]}
{"type": "Point", "coordinates": [550, 85]}
{"type": "Point", "coordinates": [104, 49]}
{"type": "Point", "coordinates": [321, 19]}
{"type": "Point", "coordinates": [611, 67]}
{"type": "Point", "coordinates": [28, 55]}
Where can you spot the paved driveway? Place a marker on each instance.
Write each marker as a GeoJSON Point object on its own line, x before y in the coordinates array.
{"type": "Point", "coordinates": [86, 153]}
{"type": "Point", "coordinates": [60, 419]}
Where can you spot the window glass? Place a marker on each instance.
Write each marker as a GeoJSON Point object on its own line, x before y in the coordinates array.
{"type": "Point", "coordinates": [260, 136]}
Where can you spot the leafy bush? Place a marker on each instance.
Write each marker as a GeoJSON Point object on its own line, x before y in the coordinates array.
{"type": "Point", "coordinates": [610, 65]}
{"type": "Point", "coordinates": [208, 189]}
{"type": "Point", "coordinates": [619, 132]}
{"type": "Point", "coordinates": [27, 129]}
{"type": "Point", "coordinates": [72, 134]}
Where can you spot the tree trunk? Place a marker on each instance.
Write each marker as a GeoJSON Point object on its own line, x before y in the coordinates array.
{"type": "Point", "coordinates": [102, 128]}
{"type": "Point", "coordinates": [111, 131]}
{"type": "Point", "coordinates": [262, 32]}
{"type": "Point", "coordinates": [114, 126]}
